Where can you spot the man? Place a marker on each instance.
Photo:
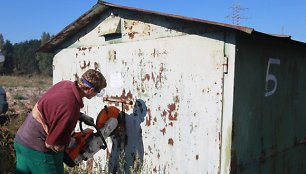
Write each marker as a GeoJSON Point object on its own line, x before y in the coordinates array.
{"type": "Point", "coordinates": [41, 139]}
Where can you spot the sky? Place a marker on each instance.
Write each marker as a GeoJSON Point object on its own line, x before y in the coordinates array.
{"type": "Point", "coordinates": [23, 20]}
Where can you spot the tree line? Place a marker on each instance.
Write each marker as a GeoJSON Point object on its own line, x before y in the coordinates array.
{"type": "Point", "coordinates": [23, 59]}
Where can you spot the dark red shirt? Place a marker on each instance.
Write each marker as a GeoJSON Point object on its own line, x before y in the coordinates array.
{"type": "Point", "coordinates": [60, 107]}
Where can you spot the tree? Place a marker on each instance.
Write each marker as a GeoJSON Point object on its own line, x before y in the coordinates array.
{"type": "Point", "coordinates": [7, 51]}
{"type": "Point", "coordinates": [45, 59]}
{"type": "Point", "coordinates": [1, 41]}
{"type": "Point", "coordinates": [24, 57]}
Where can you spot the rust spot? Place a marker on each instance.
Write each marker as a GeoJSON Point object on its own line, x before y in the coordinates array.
{"type": "Point", "coordinates": [132, 34]}
{"type": "Point", "coordinates": [134, 82]}
{"type": "Point", "coordinates": [147, 77]}
{"type": "Point", "coordinates": [173, 118]}
{"type": "Point", "coordinates": [149, 112]}
{"type": "Point", "coordinates": [154, 170]}
{"type": "Point", "coordinates": [164, 113]}
{"type": "Point", "coordinates": [148, 120]}
{"type": "Point", "coordinates": [197, 157]}
{"type": "Point", "coordinates": [158, 155]}
{"type": "Point", "coordinates": [96, 65]}
{"type": "Point", "coordinates": [76, 55]}
{"type": "Point", "coordinates": [171, 108]}
{"type": "Point", "coordinates": [153, 77]}
{"type": "Point", "coordinates": [163, 130]}
{"type": "Point", "coordinates": [82, 48]}
{"type": "Point", "coordinates": [125, 25]}
{"type": "Point", "coordinates": [160, 76]}
{"type": "Point", "coordinates": [84, 65]}
{"type": "Point", "coordinates": [155, 119]}
{"type": "Point", "coordinates": [89, 49]}
{"type": "Point", "coordinates": [171, 124]}
{"type": "Point", "coordinates": [170, 141]}
{"type": "Point", "coordinates": [122, 98]}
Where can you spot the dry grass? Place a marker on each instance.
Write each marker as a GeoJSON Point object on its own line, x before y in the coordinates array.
{"type": "Point", "coordinates": [26, 81]}
{"type": "Point", "coordinates": [22, 93]}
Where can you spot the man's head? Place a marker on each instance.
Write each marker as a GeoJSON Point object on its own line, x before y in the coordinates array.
{"type": "Point", "coordinates": [91, 83]}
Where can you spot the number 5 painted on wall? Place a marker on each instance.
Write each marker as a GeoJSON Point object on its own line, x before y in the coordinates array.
{"type": "Point", "coordinates": [271, 77]}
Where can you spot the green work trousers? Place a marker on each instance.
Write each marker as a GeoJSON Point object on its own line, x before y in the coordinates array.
{"type": "Point", "coordinates": [31, 161]}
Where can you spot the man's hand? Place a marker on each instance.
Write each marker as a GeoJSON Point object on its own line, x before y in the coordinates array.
{"type": "Point", "coordinates": [87, 119]}
{"type": "Point", "coordinates": [55, 148]}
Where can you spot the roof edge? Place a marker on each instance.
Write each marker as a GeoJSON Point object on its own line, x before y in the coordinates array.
{"type": "Point", "coordinates": [235, 27]}
{"type": "Point", "coordinates": [100, 6]}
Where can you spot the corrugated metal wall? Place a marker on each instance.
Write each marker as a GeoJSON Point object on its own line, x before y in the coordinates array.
{"type": "Point", "coordinates": [269, 120]}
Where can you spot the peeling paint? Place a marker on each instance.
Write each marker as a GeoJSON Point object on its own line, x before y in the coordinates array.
{"type": "Point", "coordinates": [171, 108]}
{"type": "Point", "coordinates": [82, 48]}
{"type": "Point", "coordinates": [96, 66]}
{"type": "Point", "coordinates": [164, 114]}
{"type": "Point", "coordinates": [84, 65]}
{"type": "Point", "coordinates": [131, 34]}
{"type": "Point", "coordinates": [172, 80]}
{"type": "Point", "coordinates": [147, 77]}
{"type": "Point", "coordinates": [163, 130]}
{"type": "Point", "coordinates": [149, 118]}
{"type": "Point", "coordinates": [154, 170]}
{"type": "Point", "coordinates": [170, 141]}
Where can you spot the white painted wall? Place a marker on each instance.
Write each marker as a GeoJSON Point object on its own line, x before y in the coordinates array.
{"type": "Point", "coordinates": [180, 80]}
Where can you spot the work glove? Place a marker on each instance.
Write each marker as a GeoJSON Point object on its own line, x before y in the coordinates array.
{"type": "Point", "coordinates": [87, 119]}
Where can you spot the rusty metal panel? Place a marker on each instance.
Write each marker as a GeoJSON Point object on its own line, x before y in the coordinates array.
{"type": "Point", "coordinates": [182, 90]}
{"type": "Point", "coordinates": [180, 82]}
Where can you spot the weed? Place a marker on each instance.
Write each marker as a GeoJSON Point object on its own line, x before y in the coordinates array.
{"type": "Point", "coordinates": [7, 152]}
{"type": "Point", "coordinates": [19, 106]}
{"type": "Point", "coordinates": [18, 97]}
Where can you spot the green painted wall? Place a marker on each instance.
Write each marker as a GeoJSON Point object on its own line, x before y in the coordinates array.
{"type": "Point", "coordinates": [269, 131]}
